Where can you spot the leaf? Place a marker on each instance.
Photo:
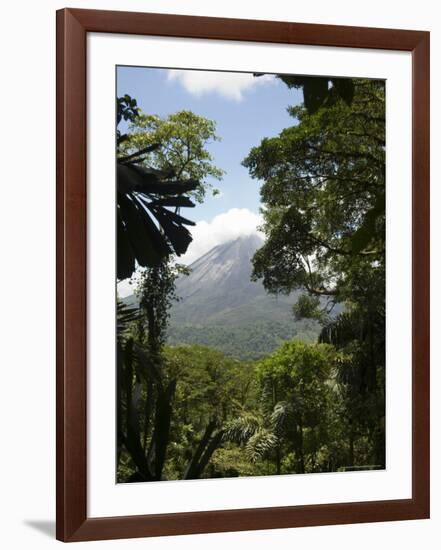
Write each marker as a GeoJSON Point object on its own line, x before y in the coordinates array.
{"type": "Point", "coordinates": [241, 429]}
{"type": "Point", "coordinates": [172, 216]}
{"type": "Point", "coordinates": [282, 413]}
{"type": "Point", "coordinates": [144, 180]}
{"type": "Point", "coordinates": [126, 255]}
{"type": "Point", "coordinates": [144, 237]}
{"type": "Point", "coordinates": [315, 93]}
{"type": "Point", "coordinates": [316, 90]}
{"type": "Point", "coordinates": [192, 469]}
{"type": "Point", "coordinates": [139, 153]}
{"type": "Point", "coordinates": [345, 88]}
{"type": "Point", "coordinates": [142, 195]}
{"type": "Point", "coordinates": [148, 367]}
{"type": "Point", "coordinates": [125, 315]}
{"type": "Point", "coordinates": [260, 444]}
{"type": "Point", "coordinates": [133, 178]}
{"type": "Point", "coordinates": [177, 234]}
{"type": "Point", "coordinates": [366, 233]}
{"type": "Point", "coordinates": [174, 201]}
{"type": "Point", "coordinates": [162, 426]}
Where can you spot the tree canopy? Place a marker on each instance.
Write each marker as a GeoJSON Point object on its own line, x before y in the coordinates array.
{"type": "Point", "coordinates": [323, 195]}
{"type": "Point", "coordinates": [323, 198]}
{"type": "Point", "coordinates": [162, 164]}
{"type": "Point", "coordinates": [189, 411]}
{"type": "Point", "coordinates": [183, 138]}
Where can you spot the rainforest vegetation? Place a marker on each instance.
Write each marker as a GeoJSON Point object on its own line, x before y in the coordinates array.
{"type": "Point", "coordinates": [314, 404]}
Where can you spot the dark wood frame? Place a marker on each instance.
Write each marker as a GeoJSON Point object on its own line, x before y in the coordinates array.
{"type": "Point", "coordinates": [72, 28]}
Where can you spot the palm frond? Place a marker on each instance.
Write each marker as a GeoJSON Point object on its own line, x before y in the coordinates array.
{"type": "Point", "coordinates": [241, 429]}
{"type": "Point", "coordinates": [147, 232]}
{"type": "Point", "coordinates": [124, 316]}
{"type": "Point", "coordinates": [260, 444]}
{"type": "Point", "coordinates": [282, 414]}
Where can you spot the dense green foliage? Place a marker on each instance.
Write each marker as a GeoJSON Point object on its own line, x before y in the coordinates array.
{"type": "Point", "coordinates": [277, 399]}
{"type": "Point", "coordinates": [321, 91]}
{"type": "Point", "coordinates": [244, 341]}
{"type": "Point", "coordinates": [324, 193]}
{"type": "Point", "coordinates": [161, 164]}
{"type": "Point", "coordinates": [225, 417]}
{"type": "Point", "coordinates": [324, 219]}
{"type": "Point", "coordinates": [182, 151]}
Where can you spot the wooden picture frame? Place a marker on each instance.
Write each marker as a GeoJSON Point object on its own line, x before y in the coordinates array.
{"type": "Point", "coordinates": [73, 524]}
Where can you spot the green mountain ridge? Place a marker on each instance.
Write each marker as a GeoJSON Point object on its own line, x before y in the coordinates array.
{"type": "Point", "coordinates": [246, 342]}
{"type": "Point", "coordinates": [221, 307]}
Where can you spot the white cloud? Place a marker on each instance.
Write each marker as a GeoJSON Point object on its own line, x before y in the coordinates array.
{"type": "Point", "coordinates": [229, 85]}
{"type": "Point", "coordinates": [230, 225]}
{"type": "Point", "coordinates": [125, 288]}
{"type": "Point", "coordinates": [227, 226]}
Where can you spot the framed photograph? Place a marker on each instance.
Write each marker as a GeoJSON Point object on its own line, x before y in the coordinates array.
{"type": "Point", "coordinates": [242, 274]}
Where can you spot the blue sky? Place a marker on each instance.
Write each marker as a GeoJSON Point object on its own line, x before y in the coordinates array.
{"type": "Point", "coordinates": [243, 118]}
{"type": "Point", "coordinates": [246, 109]}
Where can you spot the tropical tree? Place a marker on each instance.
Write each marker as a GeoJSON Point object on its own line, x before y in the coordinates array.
{"type": "Point", "coordinates": [293, 423]}
{"type": "Point", "coordinates": [297, 394]}
{"type": "Point", "coordinates": [211, 390]}
{"type": "Point", "coordinates": [322, 91]}
{"type": "Point", "coordinates": [319, 91]}
{"type": "Point", "coordinates": [160, 165]}
{"type": "Point", "coordinates": [324, 194]}
{"type": "Point", "coordinates": [324, 217]}
{"type": "Point", "coordinates": [147, 230]}
{"type": "Point", "coordinates": [178, 442]}
{"type": "Point", "coordinates": [359, 335]}
{"type": "Point", "coordinates": [183, 138]}
{"type": "Point", "coordinates": [188, 412]}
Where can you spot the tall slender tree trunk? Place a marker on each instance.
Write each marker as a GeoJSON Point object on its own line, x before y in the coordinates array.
{"type": "Point", "coordinates": [278, 458]}
{"type": "Point", "coordinates": [301, 454]}
{"type": "Point", "coordinates": [351, 444]}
